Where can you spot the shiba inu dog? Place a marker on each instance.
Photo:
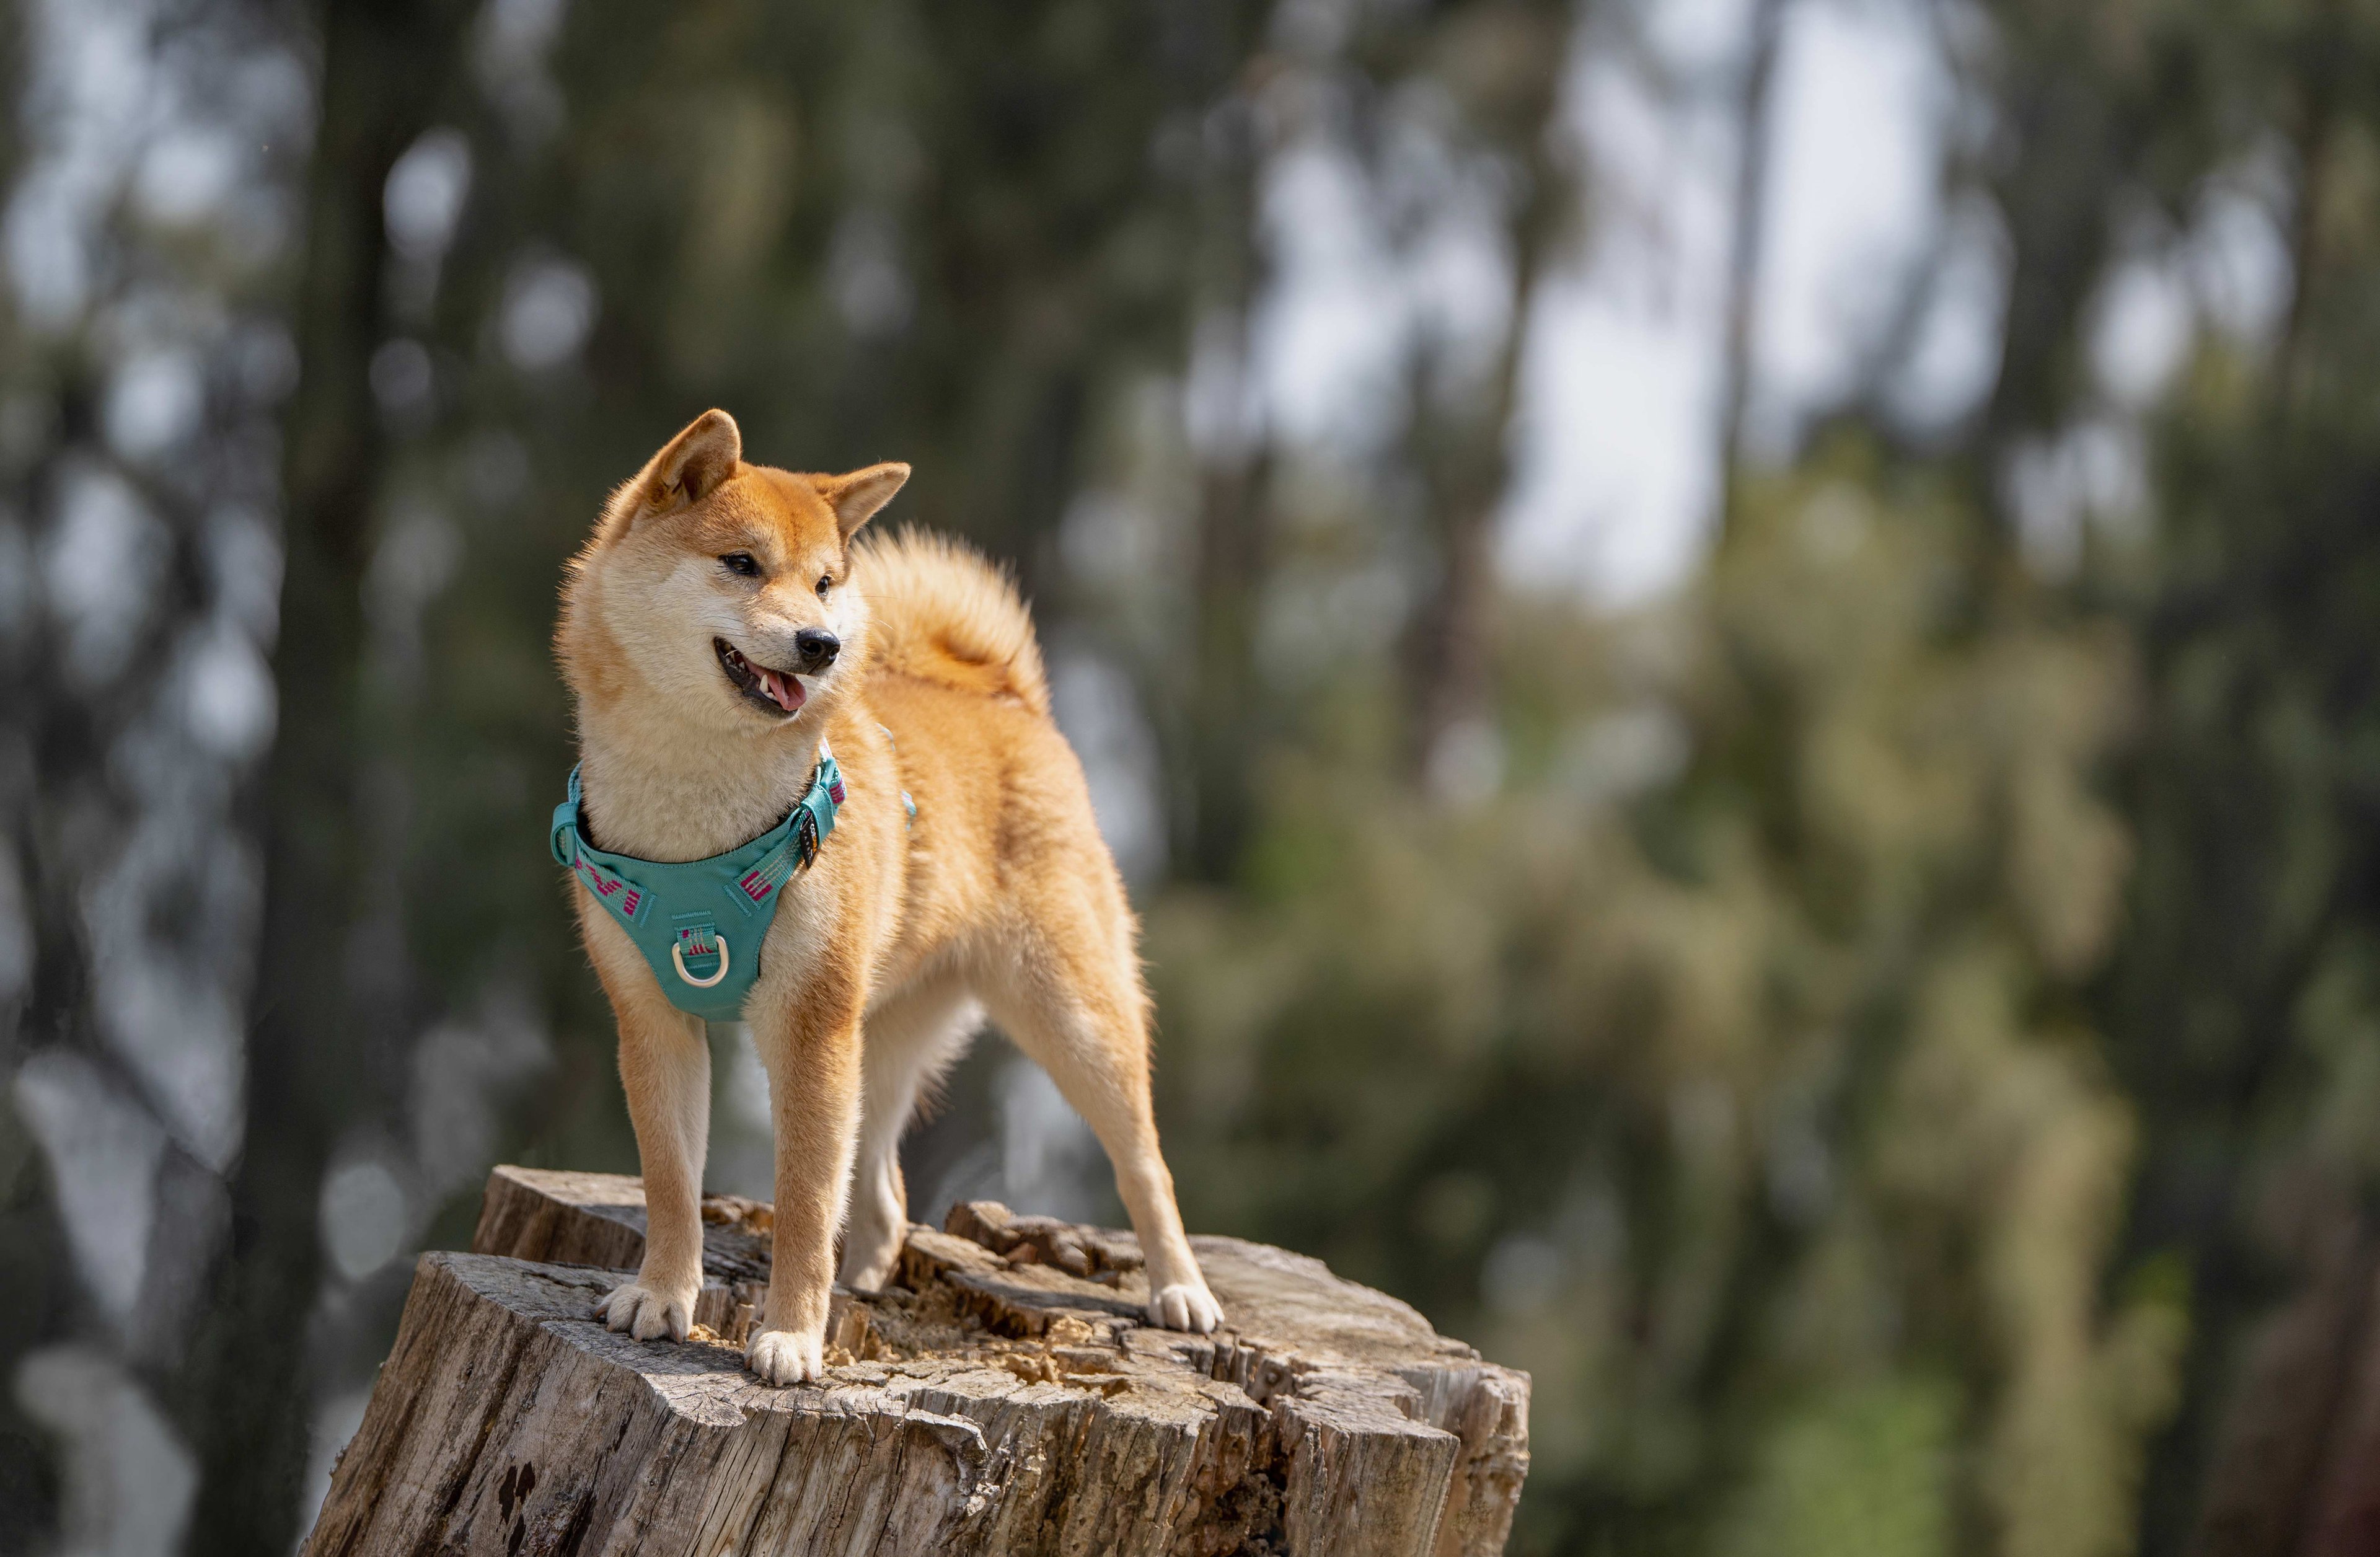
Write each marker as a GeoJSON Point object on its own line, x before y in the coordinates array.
{"type": "Point", "coordinates": [720, 630]}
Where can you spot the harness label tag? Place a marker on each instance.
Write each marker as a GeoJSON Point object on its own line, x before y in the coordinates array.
{"type": "Point", "coordinates": [697, 937]}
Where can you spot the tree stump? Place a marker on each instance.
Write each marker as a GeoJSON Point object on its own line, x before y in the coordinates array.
{"type": "Point", "coordinates": [1003, 1395]}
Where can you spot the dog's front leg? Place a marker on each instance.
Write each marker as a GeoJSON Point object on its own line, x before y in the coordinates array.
{"type": "Point", "coordinates": [665, 1069]}
{"type": "Point", "coordinates": [812, 1051]}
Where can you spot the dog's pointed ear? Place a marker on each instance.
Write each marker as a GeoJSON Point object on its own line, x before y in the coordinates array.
{"type": "Point", "coordinates": [691, 465]}
{"type": "Point", "coordinates": [857, 495]}
{"type": "Point", "coordinates": [688, 468]}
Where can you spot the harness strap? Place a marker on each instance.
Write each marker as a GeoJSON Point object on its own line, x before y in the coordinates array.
{"type": "Point", "coordinates": [672, 909]}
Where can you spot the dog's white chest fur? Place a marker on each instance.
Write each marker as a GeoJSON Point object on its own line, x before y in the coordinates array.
{"type": "Point", "coordinates": [678, 794]}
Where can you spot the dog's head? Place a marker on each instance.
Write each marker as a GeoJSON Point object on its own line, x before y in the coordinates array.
{"type": "Point", "coordinates": [721, 587]}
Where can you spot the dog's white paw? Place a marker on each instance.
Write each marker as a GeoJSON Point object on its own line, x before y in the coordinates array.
{"type": "Point", "coordinates": [646, 1313]}
{"type": "Point", "coordinates": [1184, 1306]}
{"type": "Point", "coordinates": [785, 1356]}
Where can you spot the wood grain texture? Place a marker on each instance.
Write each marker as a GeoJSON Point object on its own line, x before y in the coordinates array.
{"type": "Point", "coordinates": [1004, 1396]}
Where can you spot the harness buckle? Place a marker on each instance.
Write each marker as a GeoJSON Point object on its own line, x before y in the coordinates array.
{"type": "Point", "coordinates": [678, 960]}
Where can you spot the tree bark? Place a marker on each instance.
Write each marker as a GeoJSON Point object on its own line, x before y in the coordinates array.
{"type": "Point", "coordinates": [1461, 446]}
{"type": "Point", "coordinates": [1750, 206]}
{"type": "Point", "coordinates": [311, 1058]}
{"type": "Point", "coordinates": [1002, 1396]}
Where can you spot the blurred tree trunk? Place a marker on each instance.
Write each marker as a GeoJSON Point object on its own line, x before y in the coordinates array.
{"type": "Point", "coordinates": [1231, 560]}
{"type": "Point", "coordinates": [1750, 202]}
{"type": "Point", "coordinates": [63, 754]}
{"type": "Point", "coordinates": [53, 748]}
{"type": "Point", "coordinates": [2324, 55]}
{"type": "Point", "coordinates": [2293, 1410]}
{"type": "Point", "coordinates": [1233, 550]}
{"type": "Point", "coordinates": [1463, 454]}
{"type": "Point", "coordinates": [2070, 150]}
{"type": "Point", "coordinates": [383, 67]}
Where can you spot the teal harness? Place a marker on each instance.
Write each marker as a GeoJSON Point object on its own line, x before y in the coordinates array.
{"type": "Point", "coordinates": [675, 912]}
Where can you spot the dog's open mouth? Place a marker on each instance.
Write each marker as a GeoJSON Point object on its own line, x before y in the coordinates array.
{"type": "Point", "coordinates": [775, 690]}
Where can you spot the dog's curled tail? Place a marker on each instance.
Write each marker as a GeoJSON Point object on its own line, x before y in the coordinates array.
{"type": "Point", "coordinates": [941, 612]}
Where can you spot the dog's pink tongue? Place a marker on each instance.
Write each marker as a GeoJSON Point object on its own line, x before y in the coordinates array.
{"type": "Point", "coordinates": [786, 690]}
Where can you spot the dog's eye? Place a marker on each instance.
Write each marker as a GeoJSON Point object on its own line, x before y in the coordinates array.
{"type": "Point", "coordinates": [741, 563]}
{"type": "Point", "coordinates": [825, 584]}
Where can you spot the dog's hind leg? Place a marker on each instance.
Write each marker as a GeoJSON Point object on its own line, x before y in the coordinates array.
{"type": "Point", "coordinates": [909, 1042]}
{"type": "Point", "coordinates": [1069, 992]}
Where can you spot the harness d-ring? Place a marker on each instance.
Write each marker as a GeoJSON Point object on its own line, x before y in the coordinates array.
{"type": "Point", "coordinates": [677, 958]}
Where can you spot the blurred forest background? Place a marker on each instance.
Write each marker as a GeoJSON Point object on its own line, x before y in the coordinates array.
{"type": "Point", "coordinates": [1767, 809]}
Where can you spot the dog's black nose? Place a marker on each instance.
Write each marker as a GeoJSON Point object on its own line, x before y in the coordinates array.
{"type": "Point", "coordinates": [817, 647]}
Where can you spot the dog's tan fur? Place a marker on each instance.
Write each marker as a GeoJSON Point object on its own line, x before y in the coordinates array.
{"type": "Point", "coordinates": [1001, 899]}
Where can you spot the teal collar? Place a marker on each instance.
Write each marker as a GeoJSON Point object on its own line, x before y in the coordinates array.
{"type": "Point", "coordinates": [680, 915]}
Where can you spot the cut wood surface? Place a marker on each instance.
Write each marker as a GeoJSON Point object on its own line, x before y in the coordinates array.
{"type": "Point", "coordinates": [1003, 1395]}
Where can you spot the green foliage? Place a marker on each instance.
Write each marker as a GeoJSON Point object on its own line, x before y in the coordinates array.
{"type": "Point", "coordinates": [1863, 1471]}
{"type": "Point", "coordinates": [1708, 1096]}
